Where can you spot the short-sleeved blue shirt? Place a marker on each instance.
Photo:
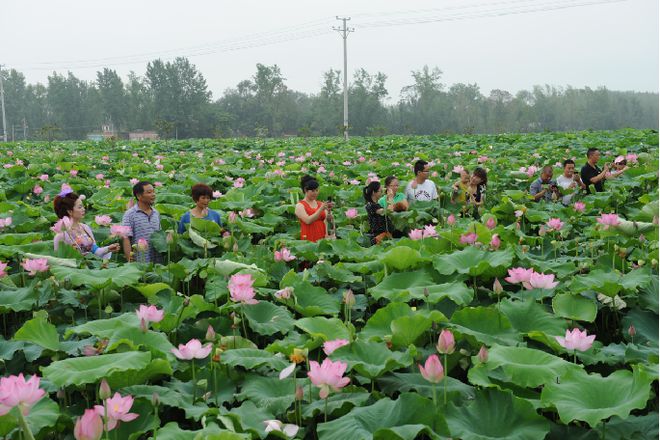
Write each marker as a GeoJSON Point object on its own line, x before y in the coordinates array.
{"type": "Point", "coordinates": [142, 226]}
{"type": "Point", "coordinates": [212, 215]}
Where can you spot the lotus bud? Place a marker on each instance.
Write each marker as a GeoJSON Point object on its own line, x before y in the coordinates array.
{"type": "Point", "coordinates": [497, 287]}
{"type": "Point", "coordinates": [60, 393]}
{"type": "Point", "coordinates": [169, 238]}
{"type": "Point", "coordinates": [464, 352]}
{"type": "Point", "coordinates": [300, 393]}
{"type": "Point", "coordinates": [104, 390]}
{"type": "Point", "coordinates": [216, 355]}
{"type": "Point", "coordinates": [483, 354]}
{"type": "Point", "coordinates": [108, 309]}
{"type": "Point", "coordinates": [349, 298]}
{"type": "Point", "coordinates": [210, 334]}
{"type": "Point", "coordinates": [235, 249]}
{"type": "Point", "coordinates": [186, 301]}
{"type": "Point", "coordinates": [446, 342]}
{"type": "Point", "coordinates": [632, 331]}
{"type": "Point", "coordinates": [426, 292]}
{"type": "Point", "coordinates": [236, 319]}
{"type": "Point", "coordinates": [641, 263]}
{"type": "Point", "coordinates": [155, 401]}
{"type": "Point", "coordinates": [654, 263]}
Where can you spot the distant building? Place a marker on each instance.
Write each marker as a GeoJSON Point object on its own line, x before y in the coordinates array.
{"type": "Point", "coordinates": [97, 137]}
{"type": "Point", "coordinates": [142, 135]}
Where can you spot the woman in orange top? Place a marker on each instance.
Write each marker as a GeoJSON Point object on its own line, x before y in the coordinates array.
{"type": "Point", "coordinates": [311, 212]}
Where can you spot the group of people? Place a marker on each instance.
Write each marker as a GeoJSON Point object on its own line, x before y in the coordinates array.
{"type": "Point", "coordinates": [141, 220]}
{"type": "Point", "coordinates": [569, 183]}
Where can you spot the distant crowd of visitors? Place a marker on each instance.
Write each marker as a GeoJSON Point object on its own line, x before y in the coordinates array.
{"type": "Point", "coordinates": [141, 220]}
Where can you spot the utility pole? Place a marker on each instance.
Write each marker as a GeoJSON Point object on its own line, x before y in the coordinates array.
{"type": "Point", "coordinates": [2, 101]}
{"type": "Point", "coordinates": [24, 129]}
{"type": "Point", "coordinates": [344, 31]}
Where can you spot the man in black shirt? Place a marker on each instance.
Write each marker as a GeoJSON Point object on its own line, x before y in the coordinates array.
{"type": "Point", "coordinates": [591, 174]}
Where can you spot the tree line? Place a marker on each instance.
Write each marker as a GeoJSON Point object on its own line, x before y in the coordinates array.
{"type": "Point", "coordinates": [173, 98]}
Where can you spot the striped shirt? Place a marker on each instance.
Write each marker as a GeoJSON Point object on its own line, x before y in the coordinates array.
{"type": "Point", "coordinates": [142, 226]}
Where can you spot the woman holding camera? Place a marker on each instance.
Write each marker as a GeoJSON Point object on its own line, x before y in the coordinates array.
{"type": "Point", "coordinates": [311, 212]}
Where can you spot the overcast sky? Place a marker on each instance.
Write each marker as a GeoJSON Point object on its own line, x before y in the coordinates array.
{"type": "Point", "coordinates": [493, 43]}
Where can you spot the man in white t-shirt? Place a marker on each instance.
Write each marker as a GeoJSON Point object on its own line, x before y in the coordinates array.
{"type": "Point", "coordinates": [569, 182]}
{"type": "Point", "coordinates": [421, 188]}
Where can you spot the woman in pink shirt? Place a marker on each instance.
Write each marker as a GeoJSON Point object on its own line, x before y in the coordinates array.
{"type": "Point", "coordinates": [71, 230]}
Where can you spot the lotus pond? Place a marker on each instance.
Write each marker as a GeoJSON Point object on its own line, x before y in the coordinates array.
{"type": "Point", "coordinates": [486, 319]}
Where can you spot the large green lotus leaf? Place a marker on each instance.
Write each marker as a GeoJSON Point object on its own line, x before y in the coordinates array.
{"type": "Point", "coordinates": [371, 359]}
{"type": "Point", "coordinates": [404, 286]}
{"type": "Point", "coordinates": [172, 431]}
{"type": "Point", "coordinates": [268, 392]}
{"type": "Point", "coordinates": [313, 301]}
{"type": "Point", "coordinates": [248, 418]}
{"type": "Point", "coordinates": [119, 276]}
{"type": "Point", "coordinates": [151, 290]}
{"type": "Point", "coordinates": [378, 324]}
{"type": "Point", "coordinates": [637, 428]}
{"type": "Point", "coordinates": [39, 331]}
{"type": "Point", "coordinates": [326, 270]}
{"type": "Point", "coordinates": [591, 397]}
{"type": "Point", "coordinates": [486, 325]}
{"type": "Point", "coordinates": [91, 369]}
{"type": "Point", "coordinates": [135, 338]}
{"type": "Point", "coordinates": [407, 329]}
{"type": "Point", "coordinates": [349, 397]}
{"type": "Point", "coordinates": [145, 422]}
{"type": "Point", "coordinates": [104, 328]}
{"type": "Point", "coordinates": [250, 358]}
{"type": "Point", "coordinates": [266, 318]}
{"type": "Point", "coordinates": [42, 414]}
{"type": "Point", "coordinates": [637, 279]}
{"type": "Point", "coordinates": [496, 415]}
{"type": "Point", "coordinates": [207, 227]}
{"type": "Point", "coordinates": [646, 325]}
{"type": "Point", "coordinates": [228, 267]}
{"type": "Point", "coordinates": [402, 258]}
{"type": "Point", "coordinates": [607, 283]}
{"type": "Point", "coordinates": [407, 418]}
{"type": "Point", "coordinates": [474, 262]}
{"type": "Point", "coordinates": [530, 316]}
{"type": "Point", "coordinates": [574, 307]}
{"type": "Point", "coordinates": [527, 367]}
{"type": "Point", "coordinates": [18, 300]}
{"type": "Point", "coordinates": [393, 383]}
{"type": "Point", "coordinates": [53, 261]}
{"type": "Point", "coordinates": [324, 328]}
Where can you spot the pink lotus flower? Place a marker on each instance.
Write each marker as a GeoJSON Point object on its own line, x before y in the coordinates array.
{"type": "Point", "coordinates": [483, 354]}
{"type": "Point", "coordinates": [576, 340]}
{"type": "Point", "coordinates": [239, 183]}
{"type": "Point", "coordinates": [495, 241]}
{"type": "Point", "coordinates": [469, 238]}
{"type": "Point", "coordinates": [192, 350]}
{"type": "Point", "coordinates": [519, 213]}
{"type": "Point", "coordinates": [532, 170]}
{"type": "Point", "coordinates": [117, 410]}
{"type": "Point", "coordinates": [142, 245]}
{"type": "Point", "coordinates": [89, 426]}
{"type": "Point", "coordinates": [416, 234]}
{"type": "Point", "coordinates": [106, 183]}
{"type": "Point", "coordinates": [73, 173]}
{"type": "Point", "coordinates": [288, 429]}
{"type": "Point", "coordinates": [555, 224]}
{"type": "Point", "coordinates": [491, 223]}
{"type": "Point", "coordinates": [497, 287]}
{"type": "Point", "coordinates": [217, 194]}
{"type": "Point", "coordinates": [3, 266]}
{"type": "Point", "coordinates": [347, 163]}
{"type": "Point", "coordinates": [328, 376]}
{"type": "Point", "coordinates": [354, 182]}
{"type": "Point", "coordinates": [100, 176]}
{"type": "Point", "coordinates": [608, 220]}
{"type": "Point", "coordinates": [35, 265]}
{"type": "Point", "coordinates": [103, 220]}
{"type": "Point", "coordinates": [43, 177]}
{"type": "Point", "coordinates": [446, 342]}
{"type": "Point", "coordinates": [62, 225]}
{"type": "Point", "coordinates": [351, 213]}
{"type": "Point", "coordinates": [37, 190]}
{"type": "Point", "coordinates": [330, 346]}
{"type": "Point", "coordinates": [284, 255]}
{"type": "Point", "coordinates": [519, 275]}
{"type": "Point", "coordinates": [240, 288]}
{"type": "Point", "coordinates": [158, 184]}
{"type": "Point", "coordinates": [631, 157]}
{"type": "Point", "coordinates": [482, 159]}
{"type": "Point", "coordinates": [232, 217]}
{"type": "Point", "coordinates": [361, 159]}
{"type": "Point", "coordinates": [134, 181]}
{"type": "Point", "coordinates": [432, 369]}
{"type": "Point", "coordinates": [249, 213]}
{"type": "Point", "coordinates": [458, 169]}
{"type": "Point", "coordinates": [159, 166]}
{"type": "Point", "coordinates": [451, 220]}
{"type": "Point", "coordinates": [429, 232]}
{"type": "Point", "coordinates": [119, 231]}
{"type": "Point", "coordinates": [579, 206]}
{"type": "Point", "coordinates": [16, 391]}
{"type": "Point", "coordinates": [147, 314]}
{"type": "Point", "coordinates": [540, 281]}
